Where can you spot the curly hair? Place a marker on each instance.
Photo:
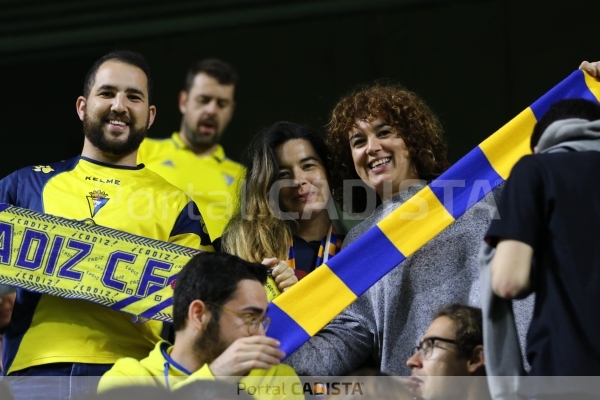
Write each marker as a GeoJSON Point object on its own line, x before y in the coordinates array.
{"type": "Point", "coordinates": [403, 110]}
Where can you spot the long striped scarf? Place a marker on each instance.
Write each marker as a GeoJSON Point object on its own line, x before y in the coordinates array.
{"type": "Point", "coordinates": [336, 284]}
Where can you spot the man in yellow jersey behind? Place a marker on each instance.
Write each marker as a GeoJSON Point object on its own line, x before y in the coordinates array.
{"type": "Point", "coordinates": [219, 307]}
{"type": "Point", "coordinates": [52, 336]}
{"type": "Point", "coordinates": [192, 159]}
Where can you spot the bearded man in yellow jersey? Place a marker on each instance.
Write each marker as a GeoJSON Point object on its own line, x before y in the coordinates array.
{"type": "Point", "coordinates": [61, 338]}
{"type": "Point", "coordinates": [192, 159]}
{"type": "Point", "coordinates": [219, 307]}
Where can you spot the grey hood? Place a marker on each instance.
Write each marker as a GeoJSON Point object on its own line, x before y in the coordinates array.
{"type": "Point", "coordinates": [570, 135]}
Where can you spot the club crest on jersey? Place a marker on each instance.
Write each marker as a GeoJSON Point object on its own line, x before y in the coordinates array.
{"type": "Point", "coordinates": [96, 200]}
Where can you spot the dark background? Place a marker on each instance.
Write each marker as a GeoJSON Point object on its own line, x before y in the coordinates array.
{"type": "Point", "coordinates": [476, 63]}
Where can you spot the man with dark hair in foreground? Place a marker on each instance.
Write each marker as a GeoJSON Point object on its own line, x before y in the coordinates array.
{"type": "Point", "coordinates": [449, 363]}
{"type": "Point", "coordinates": [192, 159]}
{"type": "Point", "coordinates": [219, 306]}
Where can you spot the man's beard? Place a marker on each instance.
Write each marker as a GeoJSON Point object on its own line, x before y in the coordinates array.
{"type": "Point", "coordinates": [197, 139]}
{"type": "Point", "coordinates": [209, 345]}
{"type": "Point", "coordinates": [94, 132]}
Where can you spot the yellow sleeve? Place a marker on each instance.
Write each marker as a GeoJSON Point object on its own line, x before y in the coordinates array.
{"type": "Point", "coordinates": [127, 372]}
{"type": "Point", "coordinates": [203, 373]}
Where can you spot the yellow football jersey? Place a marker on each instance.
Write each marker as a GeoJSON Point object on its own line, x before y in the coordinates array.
{"type": "Point", "coordinates": [47, 329]}
{"type": "Point", "coordinates": [211, 181]}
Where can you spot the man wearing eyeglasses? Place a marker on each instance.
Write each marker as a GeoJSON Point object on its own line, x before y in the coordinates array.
{"type": "Point", "coordinates": [219, 306]}
{"type": "Point", "coordinates": [448, 363]}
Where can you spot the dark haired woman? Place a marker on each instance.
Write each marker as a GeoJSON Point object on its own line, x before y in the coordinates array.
{"type": "Point", "coordinates": [285, 210]}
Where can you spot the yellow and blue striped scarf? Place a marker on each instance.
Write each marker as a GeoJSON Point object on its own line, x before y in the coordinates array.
{"type": "Point", "coordinates": [336, 284]}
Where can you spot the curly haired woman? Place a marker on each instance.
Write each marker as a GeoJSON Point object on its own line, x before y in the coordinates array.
{"type": "Point", "coordinates": [387, 137]}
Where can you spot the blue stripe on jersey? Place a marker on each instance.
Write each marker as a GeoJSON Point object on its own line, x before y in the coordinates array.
{"type": "Point", "coordinates": [114, 166]}
{"type": "Point", "coordinates": [185, 224]}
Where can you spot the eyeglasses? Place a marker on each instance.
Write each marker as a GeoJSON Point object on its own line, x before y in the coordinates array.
{"type": "Point", "coordinates": [253, 321]}
{"type": "Point", "coordinates": [427, 345]}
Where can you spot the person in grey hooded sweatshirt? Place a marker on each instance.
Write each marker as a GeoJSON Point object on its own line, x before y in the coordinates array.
{"type": "Point", "coordinates": [546, 242]}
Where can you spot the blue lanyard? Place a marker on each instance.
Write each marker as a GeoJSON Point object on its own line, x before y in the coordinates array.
{"type": "Point", "coordinates": [170, 361]}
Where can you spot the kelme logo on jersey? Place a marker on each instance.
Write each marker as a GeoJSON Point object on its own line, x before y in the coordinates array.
{"type": "Point", "coordinates": [43, 168]}
{"type": "Point", "coordinates": [96, 200]}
